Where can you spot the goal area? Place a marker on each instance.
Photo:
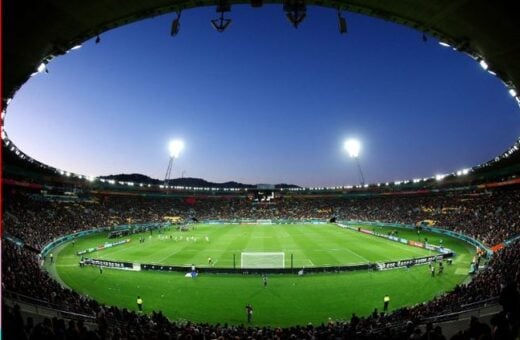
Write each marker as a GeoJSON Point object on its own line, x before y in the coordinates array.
{"type": "Point", "coordinates": [262, 260]}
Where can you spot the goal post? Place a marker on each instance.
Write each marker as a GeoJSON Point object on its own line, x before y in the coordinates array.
{"type": "Point", "coordinates": [250, 260]}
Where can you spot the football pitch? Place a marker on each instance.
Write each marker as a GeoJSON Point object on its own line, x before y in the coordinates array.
{"type": "Point", "coordinates": [287, 299]}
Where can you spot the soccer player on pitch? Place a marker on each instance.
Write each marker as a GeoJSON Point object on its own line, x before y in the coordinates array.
{"type": "Point", "coordinates": [249, 312]}
{"type": "Point", "coordinates": [139, 303]}
{"type": "Point", "coordinates": [386, 301]}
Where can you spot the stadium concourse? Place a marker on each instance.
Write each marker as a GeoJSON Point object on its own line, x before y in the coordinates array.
{"type": "Point", "coordinates": [35, 219]}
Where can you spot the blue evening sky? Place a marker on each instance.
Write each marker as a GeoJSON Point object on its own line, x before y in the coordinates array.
{"type": "Point", "coordinates": [264, 102]}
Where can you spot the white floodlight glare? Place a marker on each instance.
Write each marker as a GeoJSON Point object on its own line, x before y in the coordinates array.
{"type": "Point", "coordinates": [41, 67]}
{"type": "Point", "coordinates": [463, 172]}
{"type": "Point", "coordinates": [512, 92]}
{"type": "Point", "coordinates": [440, 177]}
{"type": "Point", "coordinates": [353, 146]}
{"type": "Point", "coordinates": [444, 44]}
{"type": "Point", "coordinates": [483, 64]}
{"type": "Point", "coordinates": [175, 147]}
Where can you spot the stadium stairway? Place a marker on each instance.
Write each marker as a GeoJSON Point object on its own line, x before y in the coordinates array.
{"type": "Point", "coordinates": [456, 322]}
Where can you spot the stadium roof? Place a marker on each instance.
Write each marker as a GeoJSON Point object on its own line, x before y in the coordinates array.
{"type": "Point", "coordinates": [39, 30]}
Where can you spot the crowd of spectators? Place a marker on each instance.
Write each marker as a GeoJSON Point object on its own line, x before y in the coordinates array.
{"type": "Point", "coordinates": [489, 216]}
{"type": "Point", "coordinates": [23, 275]}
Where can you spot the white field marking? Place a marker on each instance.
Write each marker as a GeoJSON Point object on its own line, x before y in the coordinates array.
{"type": "Point", "coordinates": [118, 250]}
{"type": "Point", "coordinates": [325, 250]}
{"type": "Point", "coordinates": [356, 254]}
{"type": "Point", "coordinates": [310, 262]}
{"type": "Point", "coordinates": [164, 258]}
{"type": "Point", "coordinates": [411, 249]}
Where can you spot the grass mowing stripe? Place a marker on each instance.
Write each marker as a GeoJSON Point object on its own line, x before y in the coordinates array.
{"type": "Point", "coordinates": [331, 235]}
{"type": "Point", "coordinates": [306, 240]}
{"type": "Point", "coordinates": [287, 300]}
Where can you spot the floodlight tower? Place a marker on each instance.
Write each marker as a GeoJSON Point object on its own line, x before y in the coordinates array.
{"type": "Point", "coordinates": [353, 146]}
{"type": "Point", "coordinates": [175, 147]}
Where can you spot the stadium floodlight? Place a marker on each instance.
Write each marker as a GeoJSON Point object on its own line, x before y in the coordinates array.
{"type": "Point", "coordinates": [220, 24]}
{"type": "Point", "coordinates": [42, 67]}
{"type": "Point", "coordinates": [353, 146]}
{"type": "Point", "coordinates": [176, 25]}
{"type": "Point", "coordinates": [342, 23]}
{"type": "Point", "coordinates": [440, 177]}
{"type": "Point", "coordinates": [512, 92]}
{"type": "Point", "coordinates": [483, 64]}
{"type": "Point", "coordinates": [463, 172]}
{"type": "Point", "coordinates": [175, 147]}
{"type": "Point", "coordinates": [295, 11]}
{"type": "Point", "coordinates": [444, 44]}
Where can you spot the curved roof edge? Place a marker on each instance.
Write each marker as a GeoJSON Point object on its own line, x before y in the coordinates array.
{"type": "Point", "coordinates": [37, 32]}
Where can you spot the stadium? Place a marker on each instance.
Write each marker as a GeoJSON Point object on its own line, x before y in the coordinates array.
{"type": "Point", "coordinates": [127, 257]}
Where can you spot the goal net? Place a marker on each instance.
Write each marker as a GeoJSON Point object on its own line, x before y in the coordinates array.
{"type": "Point", "coordinates": [262, 260]}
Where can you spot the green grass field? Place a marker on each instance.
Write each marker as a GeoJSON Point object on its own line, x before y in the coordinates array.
{"type": "Point", "coordinates": [287, 299]}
